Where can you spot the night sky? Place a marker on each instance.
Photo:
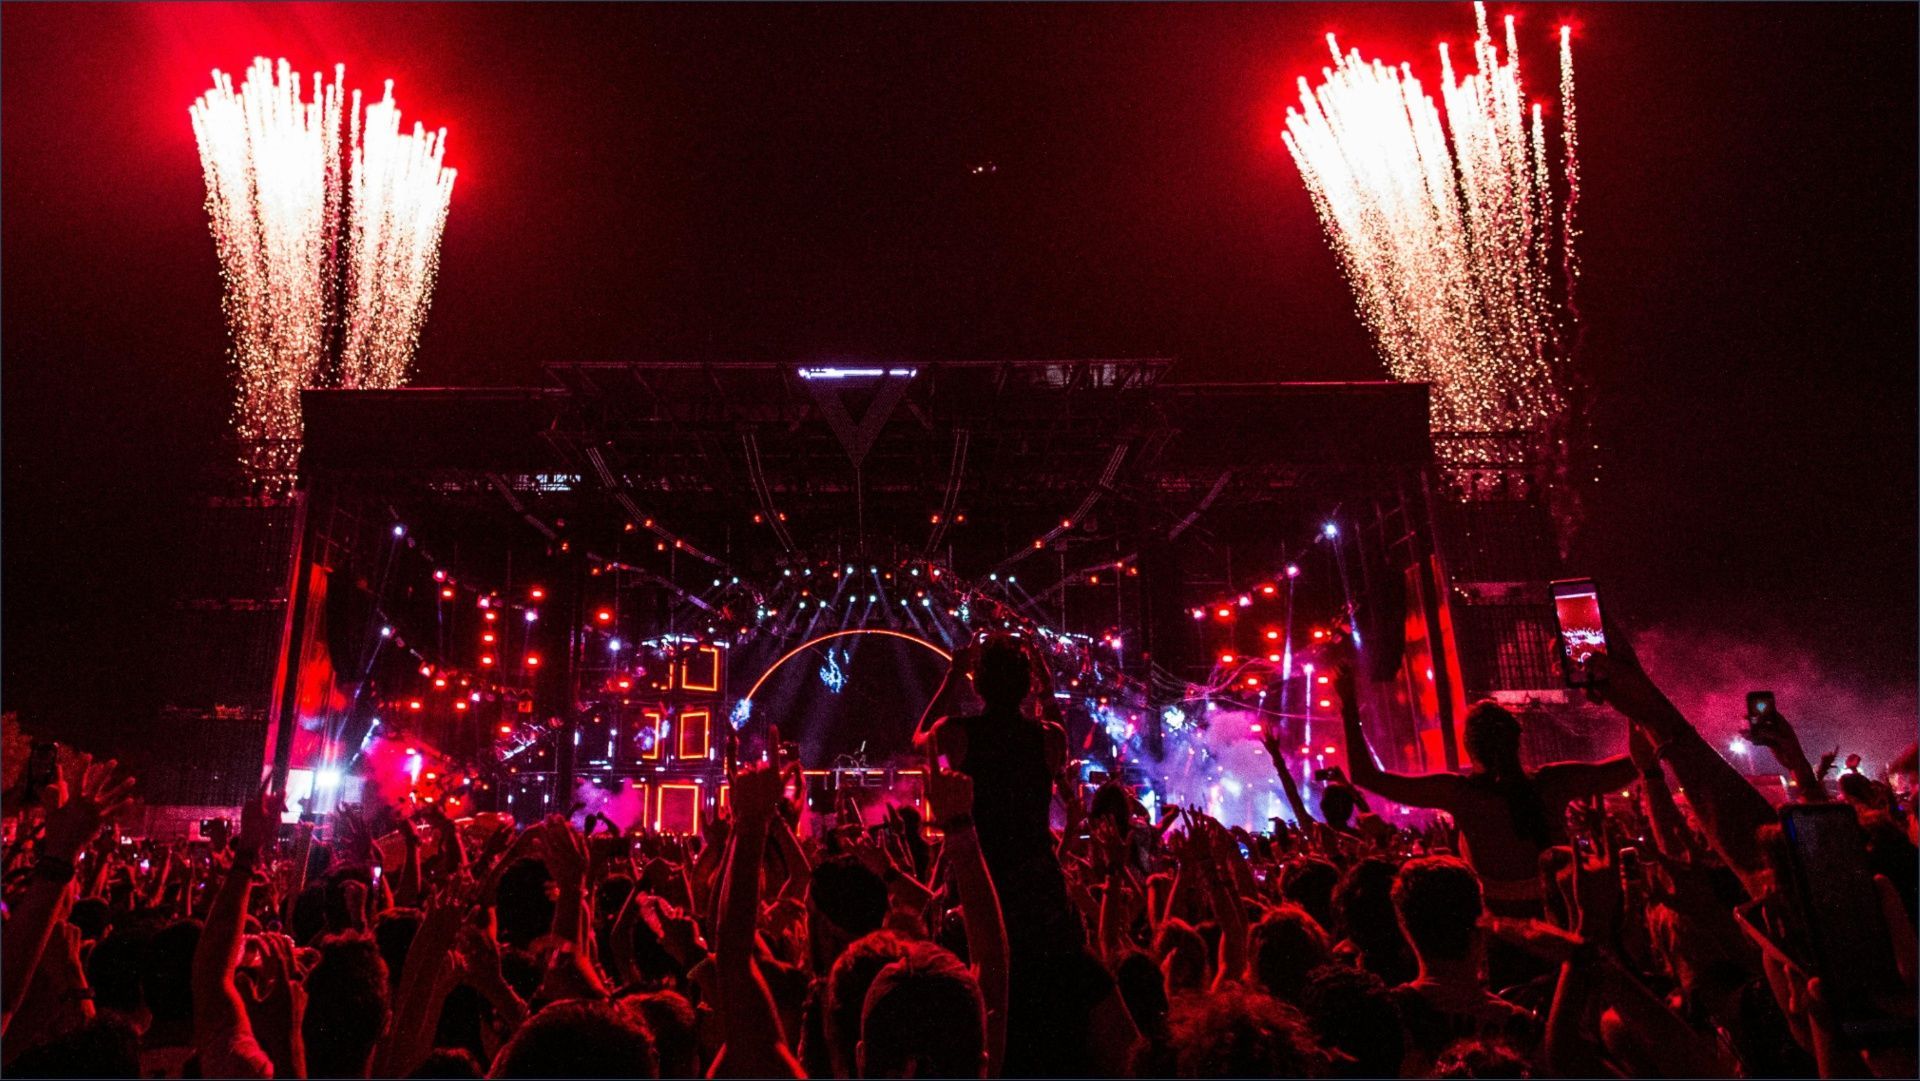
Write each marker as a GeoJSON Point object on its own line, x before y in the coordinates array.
{"type": "Point", "coordinates": [734, 182]}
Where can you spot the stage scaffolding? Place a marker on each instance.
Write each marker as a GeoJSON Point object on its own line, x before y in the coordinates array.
{"type": "Point", "coordinates": [691, 471]}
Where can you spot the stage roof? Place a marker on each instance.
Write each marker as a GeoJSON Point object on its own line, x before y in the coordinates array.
{"type": "Point", "coordinates": [864, 456]}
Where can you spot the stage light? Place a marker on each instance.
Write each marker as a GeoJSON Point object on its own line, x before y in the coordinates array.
{"type": "Point", "coordinates": [486, 660]}
{"type": "Point", "coordinates": [1245, 601]}
{"type": "Point", "coordinates": [532, 615]}
{"type": "Point", "coordinates": [416, 704]}
{"type": "Point", "coordinates": [1226, 658]}
{"type": "Point", "coordinates": [506, 730]}
{"type": "Point", "coordinates": [486, 602]}
{"type": "Point", "coordinates": [1740, 746]}
{"type": "Point", "coordinates": [1318, 633]}
{"type": "Point", "coordinates": [1066, 523]}
{"type": "Point", "coordinates": [439, 683]}
{"type": "Point", "coordinates": [439, 575]}
{"type": "Point", "coordinates": [1293, 570]}
{"type": "Point", "coordinates": [327, 779]}
{"type": "Point", "coordinates": [1322, 680]}
{"type": "Point", "coordinates": [1267, 590]}
{"type": "Point", "coordinates": [460, 706]}
{"type": "Point", "coordinates": [1325, 703]}
{"type": "Point", "coordinates": [1253, 681]}
{"type": "Point", "coordinates": [605, 615]}
{"type": "Point", "coordinates": [426, 669]}
{"type": "Point", "coordinates": [386, 632]}
{"type": "Point", "coordinates": [1199, 613]}
{"type": "Point", "coordinates": [487, 637]}
{"type": "Point", "coordinates": [446, 593]}
{"type": "Point", "coordinates": [1330, 749]}
{"type": "Point", "coordinates": [1307, 668]}
{"type": "Point", "coordinates": [399, 530]}
{"type": "Point", "coordinates": [491, 615]}
{"type": "Point", "coordinates": [1273, 658]}
{"type": "Point", "coordinates": [1272, 635]}
{"type": "Point", "coordinates": [1254, 728]}
{"type": "Point", "coordinates": [614, 646]}
{"type": "Point", "coordinates": [1223, 613]}
{"type": "Point", "coordinates": [533, 660]}
{"type": "Point", "coordinates": [1011, 579]}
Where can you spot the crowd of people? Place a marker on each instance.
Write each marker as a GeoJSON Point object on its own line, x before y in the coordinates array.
{"type": "Point", "coordinates": [1631, 917]}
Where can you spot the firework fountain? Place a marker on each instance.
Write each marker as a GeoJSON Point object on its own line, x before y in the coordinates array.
{"type": "Point", "coordinates": [328, 241]}
{"type": "Point", "coordinates": [1459, 249]}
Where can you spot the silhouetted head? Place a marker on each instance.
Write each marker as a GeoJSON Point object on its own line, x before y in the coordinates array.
{"type": "Point", "coordinates": [1353, 1012]}
{"type": "Point", "coordinates": [578, 1038]}
{"type": "Point", "coordinates": [1287, 944]}
{"type": "Point", "coordinates": [847, 986]}
{"type": "Point", "coordinates": [1439, 904]}
{"type": "Point", "coordinates": [1336, 805]}
{"type": "Point", "coordinates": [1241, 1033]}
{"type": "Point", "coordinates": [676, 1037]}
{"type": "Point", "coordinates": [1003, 677]}
{"type": "Point", "coordinates": [1493, 738]}
{"type": "Point", "coordinates": [924, 1018]}
{"type": "Point", "coordinates": [346, 1006]}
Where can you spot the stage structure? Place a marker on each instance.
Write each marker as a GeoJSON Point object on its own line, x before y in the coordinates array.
{"type": "Point", "coordinates": [542, 598]}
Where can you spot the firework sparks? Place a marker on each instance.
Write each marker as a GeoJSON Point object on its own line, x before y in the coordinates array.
{"type": "Point", "coordinates": [328, 248]}
{"type": "Point", "coordinates": [1447, 233]}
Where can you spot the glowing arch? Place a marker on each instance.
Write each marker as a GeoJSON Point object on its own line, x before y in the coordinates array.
{"type": "Point", "coordinates": [811, 642]}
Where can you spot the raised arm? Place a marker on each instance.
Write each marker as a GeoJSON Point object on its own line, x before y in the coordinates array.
{"type": "Point", "coordinates": [1439, 791]}
{"type": "Point", "coordinates": [1274, 740]}
{"type": "Point", "coordinates": [755, 1045]}
{"type": "Point", "coordinates": [1729, 809]}
{"type": "Point", "coordinates": [950, 798]}
{"type": "Point", "coordinates": [1669, 827]}
{"type": "Point", "coordinates": [221, 1029]}
{"type": "Point", "coordinates": [87, 797]}
{"type": "Point", "coordinates": [955, 695]}
{"type": "Point", "coordinates": [1581, 780]}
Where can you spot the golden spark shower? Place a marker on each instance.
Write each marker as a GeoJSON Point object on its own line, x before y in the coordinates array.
{"type": "Point", "coordinates": [1457, 240]}
{"type": "Point", "coordinates": [327, 221]}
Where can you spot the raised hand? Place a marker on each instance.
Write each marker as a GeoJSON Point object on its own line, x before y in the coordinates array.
{"type": "Point", "coordinates": [565, 851]}
{"type": "Point", "coordinates": [949, 794]}
{"type": "Point", "coordinates": [757, 791]}
{"type": "Point", "coordinates": [259, 821]}
{"type": "Point", "coordinates": [90, 796]}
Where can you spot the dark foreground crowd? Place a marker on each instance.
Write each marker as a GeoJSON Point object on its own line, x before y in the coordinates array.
{"type": "Point", "coordinates": [1627, 917]}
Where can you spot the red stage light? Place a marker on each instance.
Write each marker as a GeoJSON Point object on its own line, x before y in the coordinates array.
{"type": "Point", "coordinates": [1223, 613]}
{"type": "Point", "coordinates": [1272, 635]}
{"type": "Point", "coordinates": [439, 575]}
{"type": "Point", "coordinates": [1226, 658]}
{"type": "Point", "coordinates": [537, 593]}
{"type": "Point", "coordinates": [533, 660]}
{"type": "Point", "coordinates": [491, 615]}
{"type": "Point", "coordinates": [1319, 633]}
{"type": "Point", "coordinates": [460, 706]}
{"type": "Point", "coordinates": [1330, 749]}
{"type": "Point", "coordinates": [440, 683]}
{"type": "Point", "coordinates": [1267, 589]}
{"type": "Point", "coordinates": [486, 660]}
{"type": "Point", "coordinates": [416, 704]}
{"type": "Point", "coordinates": [487, 638]}
{"type": "Point", "coordinates": [506, 730]}
{"type": "Point", "coordinates": [1320, 679]}
{"type": "Point", "coordinates": [604, 615]}
{"type": "Point", "coordinates": [1273, 658]}
{"type": "Point", "coordinates": [446, 593]}
{"type": "Point", "coordinates": [1254, 728]}
{"type": "Point", "coordinates": [1325, 702]}
{"type": "Point", "coordinates": [1253, 681]}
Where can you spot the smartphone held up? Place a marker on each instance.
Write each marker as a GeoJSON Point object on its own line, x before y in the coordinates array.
{"type": "Point", "coordinates": [1576, 610]}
